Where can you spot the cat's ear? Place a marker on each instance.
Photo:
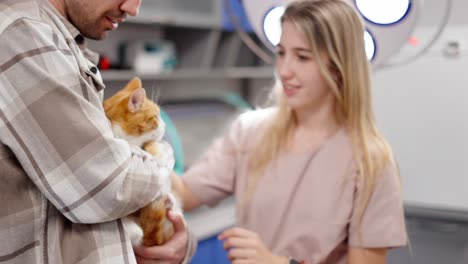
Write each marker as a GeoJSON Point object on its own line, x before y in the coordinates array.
{"type": "Point", "coordinates": [133, 84]}
{"type": "Point", "coordinates": [135, 102]}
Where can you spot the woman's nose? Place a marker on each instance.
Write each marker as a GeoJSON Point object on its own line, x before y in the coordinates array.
{"type": "Point", "coordinates": [284, 69]}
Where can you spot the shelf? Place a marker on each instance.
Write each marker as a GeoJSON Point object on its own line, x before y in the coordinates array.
{"type": "Point", "coordinates": [186, 20]}
{"type": "Point", "coordinates": [181, 13]}
{"type": "Point", "coordinates": [446, 214]}
{"type": "Point", "coordinates": [192, 74]}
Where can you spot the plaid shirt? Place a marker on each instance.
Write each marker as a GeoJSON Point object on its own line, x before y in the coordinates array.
{"type": "Point", "coordinates": [65, 181]}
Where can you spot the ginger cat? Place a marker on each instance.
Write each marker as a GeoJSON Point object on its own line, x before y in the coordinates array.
{"type": "Point", "coordinates": [136, 119]}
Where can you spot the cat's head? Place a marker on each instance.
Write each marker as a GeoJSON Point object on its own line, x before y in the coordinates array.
{"type": "Point", "coordinates": [134, 117]}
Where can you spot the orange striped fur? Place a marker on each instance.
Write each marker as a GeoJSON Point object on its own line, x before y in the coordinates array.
{"type": "Point", "coordinates": [136, 115]}
{"type": "Point", "coordinates": [133, 123]}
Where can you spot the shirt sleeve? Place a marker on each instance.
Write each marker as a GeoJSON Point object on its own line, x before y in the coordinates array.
{"type": "Point", "coordinates": [52, 120]}
{"type": "Point", "coordinates": [192, 245]}
{"type": "Point", "coordinates": [383, 222]}
{"type": "Point", "coordinates": [212, 177]}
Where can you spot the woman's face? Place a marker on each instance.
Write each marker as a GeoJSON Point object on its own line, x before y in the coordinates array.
{"type": "Point", "coordinates": [303, 85]}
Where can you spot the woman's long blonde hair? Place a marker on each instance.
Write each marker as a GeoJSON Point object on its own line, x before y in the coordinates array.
{"type": "Point", "coordinates": [333, 27]}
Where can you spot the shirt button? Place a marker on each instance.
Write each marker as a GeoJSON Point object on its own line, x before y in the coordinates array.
{"type": "Point", "coordinates": [79, 39]}
{"type": "Point", "coordinates": [93, 70]}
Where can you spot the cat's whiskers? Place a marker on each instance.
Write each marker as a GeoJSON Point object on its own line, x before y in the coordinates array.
{"type": "Point", "coordinates": [155, 97]}
{"type": "Point", "coordinates": [152, 93]}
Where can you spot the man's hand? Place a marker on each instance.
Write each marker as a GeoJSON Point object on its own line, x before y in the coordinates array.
{"type": "Point", "coordinates": [245, 246]}
{"type": "Point", "coordinates": [172, 252]}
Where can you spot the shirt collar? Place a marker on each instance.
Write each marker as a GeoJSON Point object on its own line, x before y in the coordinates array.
{"type": "Point", "coordinates": [75, 33]}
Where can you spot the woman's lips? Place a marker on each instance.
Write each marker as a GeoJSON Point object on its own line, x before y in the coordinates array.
{"type": "Point", "coordinates": [290, 90]}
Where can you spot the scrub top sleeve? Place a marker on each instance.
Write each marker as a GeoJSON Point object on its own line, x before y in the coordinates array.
{"type": "Point", "coordinates": [212, 177]}
{"type": "Point", "coordinates": [383, 222]}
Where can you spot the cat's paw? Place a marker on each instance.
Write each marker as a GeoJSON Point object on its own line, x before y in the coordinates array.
{"type": "Point", "coordinates": [152, 147]}
{"type": "Point", "coordinates": [133, 230]}
{"type": "Point", "coordinates": [173, 203]}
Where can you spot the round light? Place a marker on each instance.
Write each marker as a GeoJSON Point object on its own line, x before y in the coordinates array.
{"type": "Point", "coordinates": [370, 45]}
{"type": "Point", "coordinates": [383, 11]}
{"type": "Point", "coordinates": [272, 24]}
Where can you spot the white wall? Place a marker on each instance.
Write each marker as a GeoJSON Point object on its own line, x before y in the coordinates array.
{"type": "Point", "coordinates": [422, 108]}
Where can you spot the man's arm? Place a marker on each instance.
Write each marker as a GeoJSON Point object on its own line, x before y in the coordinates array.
{"type": "Point", "coordinates": [51, 118]}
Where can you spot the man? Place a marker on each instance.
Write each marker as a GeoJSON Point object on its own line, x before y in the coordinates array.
{"type": "Point", "coordinates": [65, 181]}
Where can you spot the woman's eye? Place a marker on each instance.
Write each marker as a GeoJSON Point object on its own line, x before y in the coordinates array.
{"type": "Point", "coordinates": [303, 58]}
{"type": "Point", "coordinates": [280, 53]}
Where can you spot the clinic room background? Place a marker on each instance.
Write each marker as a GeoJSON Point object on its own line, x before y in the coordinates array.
{"type": "Point", "coordinates": [208, 60]}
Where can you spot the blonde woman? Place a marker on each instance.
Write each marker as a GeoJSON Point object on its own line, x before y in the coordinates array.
{"type": "Point", "coordinates": [314, 180]}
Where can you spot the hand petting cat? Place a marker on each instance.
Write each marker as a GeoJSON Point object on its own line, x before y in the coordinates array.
{"type": "Point", "coordinates": [245, 246]}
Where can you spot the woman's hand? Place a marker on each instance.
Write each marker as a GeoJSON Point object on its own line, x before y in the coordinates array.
{"type": "Point", "coordinates": [245, 246]}
{"type": "Point", "coordinates": [172, 252]}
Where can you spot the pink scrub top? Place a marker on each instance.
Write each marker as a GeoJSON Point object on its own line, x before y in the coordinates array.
{"type": "Point", "coordinates": [305, 205]}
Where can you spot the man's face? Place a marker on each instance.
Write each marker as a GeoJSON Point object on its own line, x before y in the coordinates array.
{"type": "Point", "coordinates": [94, 19]}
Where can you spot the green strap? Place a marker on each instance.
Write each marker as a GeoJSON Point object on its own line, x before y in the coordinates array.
{"type": "Point", "coordinates": [171, 131]}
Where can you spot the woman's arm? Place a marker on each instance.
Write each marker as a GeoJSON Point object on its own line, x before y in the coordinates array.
{"type": "Point", "coordinates": [189, 199]}
{"type": "Point", "coordinates": [367, 255]}
{"type": "Point", "coordinates": [212, 177]}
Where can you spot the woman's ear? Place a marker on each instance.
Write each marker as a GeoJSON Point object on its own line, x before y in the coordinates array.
{"type": "Point", "coordinates": [336, 74]}
{"type": "Point", "coordinates": [135, 102]}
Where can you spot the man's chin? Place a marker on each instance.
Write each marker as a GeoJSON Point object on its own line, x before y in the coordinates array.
{"type": "Point", "coordinates": [97, 35]}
